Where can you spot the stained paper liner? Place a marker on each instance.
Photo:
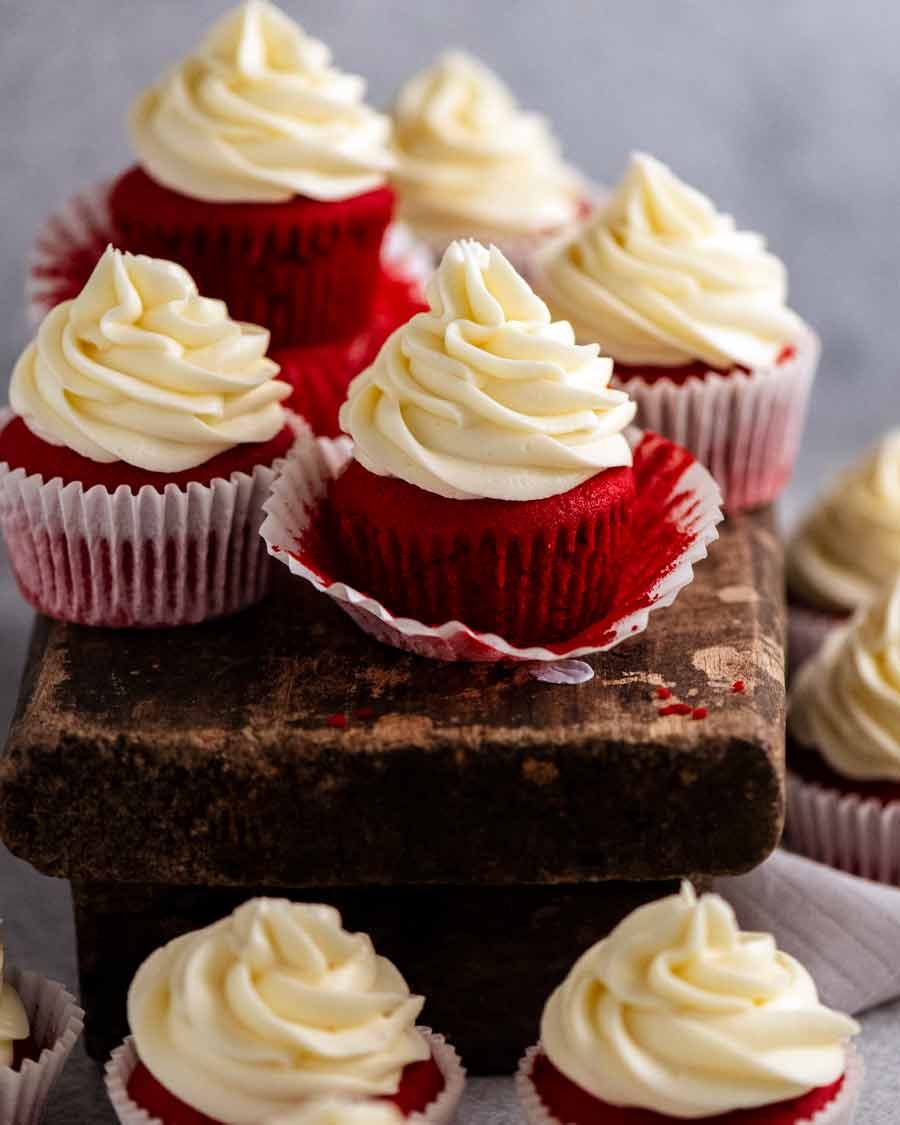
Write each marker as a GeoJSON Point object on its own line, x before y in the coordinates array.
{"type": "Point", "coordinates": [807, 630]}
{"type": "Point", "coordinates": [125, 1058]}
{"type": "Point", "coordinates": [56, 1021]}
{"type": "Point", "coordinates": [745, 428]}
{"type": "Point", "coordinates": [840, 1111]}
{"type": "Point", "coordinates": [73, 238]}
{"type": "Point", "coordinates": [857, 834]}
{"type": "Point", "coordinates": [145, 559]}
{"type": "Point", "coordinates": [674, 521]}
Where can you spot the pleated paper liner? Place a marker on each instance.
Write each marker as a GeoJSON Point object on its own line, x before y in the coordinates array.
{"type": "Point", "coordinates": [56, 1022]}
{"type": "Point", "coordinates": [840, 1111]}
{"type": "Point", "coordinates": [147, 559]}
{"type": "Point", "coordinates": [745, 428]}
{"type": "Point", "coordinates": [125, 1058]}
{"type": "Point", "coordinates": [674, 522]}
{"type": "Point", "coordinates": [73, 238]}
{"type": "Point", "coordinates": [849, 831]}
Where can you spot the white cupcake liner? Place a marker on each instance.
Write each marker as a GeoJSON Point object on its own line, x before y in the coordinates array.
{"type": "Point", "coordinates": [145, 559]}
{"type": "Point", "coordinates": [857, 834]}
{"type": "Point", "coordinates": [125, 1058]}
{"type": "Point", "coordinates": [807, 629]}
{"type": "Point", "coordinates": [55, 1022]}
{"type": "Point", "coordinates": [745, 428]}
{"type": "Point", "coordinates": [838, 1112]}
{"type": "Point", "coordinates": [691, 503]}
{"type": "Point", "coordinates": [73, 238]}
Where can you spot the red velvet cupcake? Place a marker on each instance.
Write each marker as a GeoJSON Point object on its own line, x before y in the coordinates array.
{"type": "Point", "coordinates": [39, 1024]}
{"type": "Point", "coordinates": [844, 747]}
{"type": "Point", "coordinates": [298, 1011]}
{"type": "Point", "coordinates": [693, 312]}
{"type": "Point", "coordinates": [679, 1015]}
{"type": "Point", "coordinates": [148, 427]}
{"type": "Point", "coordinates": [492, 480]}
{"type": "Point", "coordinates": [262, 171]}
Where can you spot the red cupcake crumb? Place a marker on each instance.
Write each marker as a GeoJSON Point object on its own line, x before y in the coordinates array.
{"type": "Point", "coordinates": [676, 709]}
{"type": "Point", "coordinates": [663, 693]}
{"type": "Point", "coordinates": [568, 1102]}
{"type": "Point", "coordinates": [338, 720]}
{"type": "Point", "coordinates": [699, 713]}
{"type": "Point", "coordinates": [738, 687]}
{"type": "Point", "coordinates": [364, 712]}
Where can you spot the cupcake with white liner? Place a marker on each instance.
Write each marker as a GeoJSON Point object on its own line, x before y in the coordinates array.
{"type": "Point", "coordinates": [678, 1015]}
{"type": "Point", "coordinates": [846, 550]}
{"type": "Point", "coordinates": [40, 1023]}
{"type": "Point", "coordinates": [145, 432]}
{"type": "Point", "coordinates": [844, 746]}
{"type": "Point", "coordinates": [693, 313]}
{"type": "Point", "coordinates": [490, 504]}
{"type": "Point", "coordinates": [470, 162]}
{"type": "Point", "coordinates": [266, 1013]}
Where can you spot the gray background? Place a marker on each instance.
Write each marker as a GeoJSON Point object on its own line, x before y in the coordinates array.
{"type": "Point", "coordinates": [787, 113]}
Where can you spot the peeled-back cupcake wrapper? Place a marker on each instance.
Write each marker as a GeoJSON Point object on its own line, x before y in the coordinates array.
{"type": "Point", "coordinates": [73, 238]}
{"type": "Point", "coordinates": [146, 559]}
{"type": "Point", "coordinates": [838, 1112]}
{"type": "Point", "coordinates": [857, 834]}
{"type": "Point", "coordinates": [674, 520]}
{"type": "Point", "coordinates": [807, 630]}
{"type": "Point", "coordinates": [56, 1021]}
{"type": "Point", "coordinates": [745, 428]}
{"type": "Point", "coordinates": [125, 1058]}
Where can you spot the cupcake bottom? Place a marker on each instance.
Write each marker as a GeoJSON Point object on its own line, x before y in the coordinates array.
{"type": "Point", "coordinates": [56, 1022]}
{"type": "Point", "coordinates": [848, 824]}
{"type": "Point", "coordinates": [807, 629]}
{"type": "Point", "coordinates": [320, 375]}
{"type": "Point", "coordinates": [529, 571]}
{"type": "Point", "coordinates": [111, 545]}
{"type": "Point", "coordinates": [744, 426]}
{"type": "Point", "coordinates": [548, 1097]}
{"type": "Point", "coordinates": [305, 269]}
{"type": "Point", "coordinates": [429, 1091]}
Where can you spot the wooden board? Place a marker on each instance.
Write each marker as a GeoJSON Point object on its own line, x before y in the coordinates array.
{"type": "Point", "coordinates": [212, 755]}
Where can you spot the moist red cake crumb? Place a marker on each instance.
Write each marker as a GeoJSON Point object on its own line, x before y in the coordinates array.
{"type": "Point", "coordinates": [571, 1105]}
{"type": "Point", "coordinates": [738, 687]}
{"type": "Point", "coordinates": [676, 709]}
{"type": "Point", "coordinates": [697, 369]}
{"type": "Point", "coordinates": [338, 721]}
{"type": "Point", "coordinates": [663, 693]}
{"type": "Point", "coordinates": [531, 571]}
{"type": "Point", "coordinates": [22, 449]}
{"type": "Point", "coordinates": [305, 269]}
{"type": "Point", "coordinates": [420, 1084]}
{"type": "Point", "coordinates": [812, 767]}
{"type": "Point", "coordinates": [699, 713]}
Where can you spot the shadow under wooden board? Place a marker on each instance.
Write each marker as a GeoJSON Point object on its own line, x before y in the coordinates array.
{"type": "Point", "coordinates": [284, 750]}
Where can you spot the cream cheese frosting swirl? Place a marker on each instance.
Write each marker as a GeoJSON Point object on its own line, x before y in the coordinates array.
{"type": "Point", "coordinates": [483, 395]}
{"type": "Point", "coordinates": [470, 161]}
{"type": "Point", "coordinates": [140, 368]}
{"type": "Point", "coordinates": [257, 114]}
{"type": "Point", "coordinates": [846, 702]}
{"type": "Point", "coordinates": [335, 1111]}
{"type": "Point", "coordinates": [661, 278]}
{"type": "Point", "coordinates": [13, 1018]}
{"type": "Point", "coordinates": [679, 1012]}
{"type": "Point", "coordinates": [848, 548]}
{"type": "Point", "coordinates": [270, 1007]}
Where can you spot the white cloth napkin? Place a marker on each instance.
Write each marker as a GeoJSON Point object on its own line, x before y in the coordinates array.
{"type": "Point", "coordinates": [845, 930]}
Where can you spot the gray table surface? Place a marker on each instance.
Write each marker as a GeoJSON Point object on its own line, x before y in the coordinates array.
{"type": "Point", "coordinates": [785, 113]}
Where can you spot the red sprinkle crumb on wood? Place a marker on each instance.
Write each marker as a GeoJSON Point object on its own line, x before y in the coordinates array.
{"type": "Point", "coordinates": [676, 709]}
{"type": "Point", "coordinates": [364, 712]}
{"type": "Point", "coordinates": [339, 721]}
{"type": "Point", "coordinates": [699, 713]}
{"type": "Point", "coordinates": [738, 686]}
{"type": "Point", "coordinates": [663, 693]}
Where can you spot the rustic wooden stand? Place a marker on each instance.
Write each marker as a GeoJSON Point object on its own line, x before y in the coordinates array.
{"type": "Point", "coordinates": [484, 827]}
